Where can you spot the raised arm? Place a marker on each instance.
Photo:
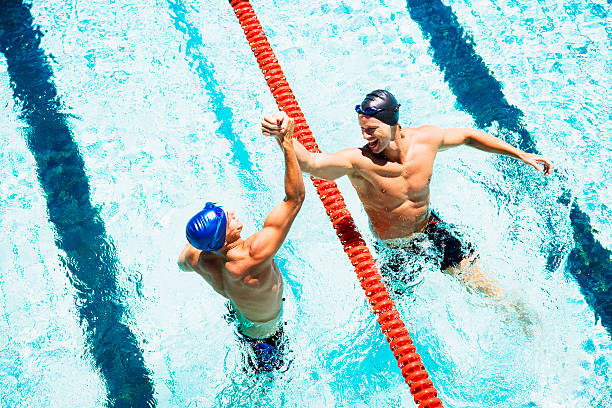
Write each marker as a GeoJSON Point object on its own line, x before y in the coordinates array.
{"type": "Point", "coordinates": [322, 165]}
{"type": "Point", "coordinates": [328, 166]}
{"type": "Point", "coordinates": [488, 143]}
{"type": "Point", "coordinates": [265, 243]}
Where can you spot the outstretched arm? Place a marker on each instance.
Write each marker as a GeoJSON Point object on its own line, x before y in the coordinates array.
{"type": "Point", "coordinates": [488, 143]}
{"type": "Point", "coordinates": [322, 165]}
{"type": "Point", "coordinates": [265, 243]}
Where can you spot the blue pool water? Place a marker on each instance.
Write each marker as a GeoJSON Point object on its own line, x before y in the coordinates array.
{"type": "Point", "coordinates": [157, 110]}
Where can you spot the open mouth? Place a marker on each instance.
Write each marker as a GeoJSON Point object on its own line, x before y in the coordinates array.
{"type": "Point", "coordinates": [373, 144]}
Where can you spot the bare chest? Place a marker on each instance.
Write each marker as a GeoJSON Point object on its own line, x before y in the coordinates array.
{"type": "Point", "coordinates": [394, 182]}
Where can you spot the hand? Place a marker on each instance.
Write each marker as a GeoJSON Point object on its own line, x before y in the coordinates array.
{"type": "Point", "coordinates": [279, 126]}
{"type": "Point", "coordinates": [535, 160]}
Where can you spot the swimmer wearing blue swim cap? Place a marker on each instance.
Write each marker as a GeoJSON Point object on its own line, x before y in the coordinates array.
{"type": "Point", "coordinates": [244, 270]}
{"type": "Point", "coordinates": [206, 230]}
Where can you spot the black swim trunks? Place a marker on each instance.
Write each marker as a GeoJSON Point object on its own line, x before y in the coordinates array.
{"type": "Point", "coordinates": [441, 244]}
{"type": "Point", "coordinates": [449, 241]}
{"type": "Point", "coordinates": [260, 355]}
{"type": "Point", "coordinates": [264, 355]}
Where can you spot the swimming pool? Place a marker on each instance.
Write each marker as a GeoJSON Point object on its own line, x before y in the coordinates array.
{"type": "Point", "coordinates": [160, 105]}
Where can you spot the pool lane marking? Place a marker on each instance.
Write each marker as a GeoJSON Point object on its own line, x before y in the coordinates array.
{"type": "Point", "coordinates": [204, 69]}
{"type": "Point", "coordinates": [480, 94]}
{"type": "Point", "coordinates": [89, 254]}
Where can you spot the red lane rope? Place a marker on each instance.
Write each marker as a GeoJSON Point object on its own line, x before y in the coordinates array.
{"type": "Point", "coordinates": [408, 360]}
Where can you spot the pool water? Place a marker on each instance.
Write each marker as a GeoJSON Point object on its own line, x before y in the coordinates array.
{"type": "Point", "coordinates": [159, 110]}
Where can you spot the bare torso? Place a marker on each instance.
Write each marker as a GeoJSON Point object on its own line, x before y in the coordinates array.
{"type": "Point", "coordinates": [255, 288]}
{"type": "Point", "coordinates": [395, 194]}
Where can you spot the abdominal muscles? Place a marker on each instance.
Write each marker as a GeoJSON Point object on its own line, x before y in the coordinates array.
{"type": "Point", "coordinates": [399, 222]}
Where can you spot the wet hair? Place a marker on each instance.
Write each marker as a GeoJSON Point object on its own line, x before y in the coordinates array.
{"type": "Point", "coordinates": [382, 105]}
{"type": "Point", "coordinates": [206, 230]}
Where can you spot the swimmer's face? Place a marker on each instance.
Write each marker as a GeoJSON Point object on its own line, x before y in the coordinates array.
{"type": "Point", "coordinates": [233, 227]}
{"type": "Point", "coordinates": [376, 133]}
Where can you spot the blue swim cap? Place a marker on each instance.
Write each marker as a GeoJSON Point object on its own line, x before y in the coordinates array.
{"type": "Point", "coordinates": [206, 230]}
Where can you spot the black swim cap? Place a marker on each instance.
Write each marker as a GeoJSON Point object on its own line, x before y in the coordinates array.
{"type": "Point", "coordinates": [382, 105]}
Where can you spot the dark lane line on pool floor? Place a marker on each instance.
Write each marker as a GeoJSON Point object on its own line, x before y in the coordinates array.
{"type": "Point", "coordinates": [89, 255]}
{"type": "Point", "coordinates": [480, 94]}
{"type": "Point", "coordinates": [250, 175]}
{"type": "Point", "coordinates": [205, 71]}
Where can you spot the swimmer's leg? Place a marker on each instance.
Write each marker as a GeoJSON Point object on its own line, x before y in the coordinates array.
{"type": "Point", "coordinates": [459, 258]}
{"type": "Point", "coordinates": [470, 272]}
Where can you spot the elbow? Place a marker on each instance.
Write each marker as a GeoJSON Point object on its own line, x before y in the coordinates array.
{"type": "Point", "coordinates": [295, 199]}
{"type": "Point", "coordinates": [469, 137]}
{"type": "Point", "coordinates": [301, 196]}
{"type": "Point", "coordinates": [298, 198]}
{"type": "Point", "coordinates": [311, 164]}
{"type": "Point", "coordinates": [307, 166]}
{"type": "Point", "coordinates": [476, 137]}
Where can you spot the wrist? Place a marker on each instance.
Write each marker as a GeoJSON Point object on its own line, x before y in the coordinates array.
{"type": "Point", "coordinates": [521, 155]}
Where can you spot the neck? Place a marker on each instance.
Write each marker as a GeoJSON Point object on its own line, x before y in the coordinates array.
{"type": "Point", "coordinates": [231, 245]}
{"type": "Point", "coordinates": [396, 147]}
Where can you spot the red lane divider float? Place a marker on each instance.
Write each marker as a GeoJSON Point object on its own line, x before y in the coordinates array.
{"type": "Point", "coordinates": [408, 360]}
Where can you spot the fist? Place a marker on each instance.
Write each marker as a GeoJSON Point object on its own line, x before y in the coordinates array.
{"type": "Point", "coordinates": [277, 125]}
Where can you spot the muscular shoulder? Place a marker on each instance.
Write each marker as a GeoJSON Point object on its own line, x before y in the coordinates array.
{"type": "Point", "coordinates": [256, 252]}
{"type": "Point", "coordinates": [189, 258]}
{"type": "Point", "coordinates": [429, 134]}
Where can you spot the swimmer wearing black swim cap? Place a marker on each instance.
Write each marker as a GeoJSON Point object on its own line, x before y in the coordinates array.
{"type": "Point", "coordinates": [392, 175]}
